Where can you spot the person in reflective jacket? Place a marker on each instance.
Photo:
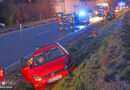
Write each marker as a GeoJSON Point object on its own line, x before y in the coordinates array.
{"type": "Point", "coordinates": [60, 21]}
{"type": "Point", "coordinates": [65, 22]}
{"type": "Point", "coordinates": [71, 22]}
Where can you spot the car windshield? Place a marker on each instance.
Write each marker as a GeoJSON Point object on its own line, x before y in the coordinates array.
{"type": "Point", "coordinates": [48, 55]}
{"type": "Point", "coordinates": [100, 10]}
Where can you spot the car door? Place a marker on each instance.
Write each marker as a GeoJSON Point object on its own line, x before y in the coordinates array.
{"type": "Point", "coordinates": [27, 70]}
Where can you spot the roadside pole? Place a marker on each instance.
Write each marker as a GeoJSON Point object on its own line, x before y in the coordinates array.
{"type": "Point", "coordinates": [20, 26]}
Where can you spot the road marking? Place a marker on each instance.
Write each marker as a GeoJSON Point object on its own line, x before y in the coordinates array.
{"type": "Point", "coordinates": [12, 65]}
{"type": "Point", "coordinates": [17, 62]}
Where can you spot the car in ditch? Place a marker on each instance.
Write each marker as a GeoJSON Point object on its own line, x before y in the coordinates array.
{"type": "Point", "coordinates": [47, 66]}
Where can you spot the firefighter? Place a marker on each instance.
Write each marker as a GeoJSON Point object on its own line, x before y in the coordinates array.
{"type": "Point", "coordinates": [71, 22]}
{"type": "Point", "coordinates": [60, 22]}
{"type": "Point", "coordinates": [65, 22]}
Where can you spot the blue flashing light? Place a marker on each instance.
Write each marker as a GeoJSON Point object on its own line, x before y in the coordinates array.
{"type": "Point", "coordinates": [121, 4]}
{"type": "Point", "coordinates": [82, 13]}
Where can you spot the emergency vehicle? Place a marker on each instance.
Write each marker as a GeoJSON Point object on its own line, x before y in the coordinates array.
{"type": "Point", "coordinates": [81, 16]}
{"type": "Point", "coordinates": [101, 9]}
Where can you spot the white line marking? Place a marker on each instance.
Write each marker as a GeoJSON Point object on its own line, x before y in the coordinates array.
{"type": "Point", "coordinates": [13, 64]}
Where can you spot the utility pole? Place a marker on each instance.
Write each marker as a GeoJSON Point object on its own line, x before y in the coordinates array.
{"type": "Point", "coordinates": [21, 10]}
{"type": "Point", "coordinates": [40, 17]}
{"type": "Point", "coordinates": [21, 16]}
{"type": "Point", "coordinates": [64, 7]}
{"type": "Point", "coordinates": [49, 12]}
{"type": "Point", "coordinates": [85, 2]}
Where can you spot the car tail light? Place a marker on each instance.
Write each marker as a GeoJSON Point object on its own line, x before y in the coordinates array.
{"type": "Point", "coordinates": [1, 74]}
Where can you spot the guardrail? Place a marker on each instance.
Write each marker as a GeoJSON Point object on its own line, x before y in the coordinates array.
{"type": "Point", "coordinates": [26, 25]}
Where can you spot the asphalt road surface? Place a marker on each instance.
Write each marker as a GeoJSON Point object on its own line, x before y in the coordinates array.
{"type": "Point", "coordinates": [17, 44]}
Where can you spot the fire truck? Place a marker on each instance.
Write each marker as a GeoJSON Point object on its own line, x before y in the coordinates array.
{"type": "Point", "coordinates": [101, 9]}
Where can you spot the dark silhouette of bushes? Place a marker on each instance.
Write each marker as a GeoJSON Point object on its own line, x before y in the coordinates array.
{"type": "Point", "coordinates": [7, 13]}
{"type": "Point", "coordinates": [35, 10]}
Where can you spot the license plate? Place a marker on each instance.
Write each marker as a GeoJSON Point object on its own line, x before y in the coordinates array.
{"type": "Point", "coordinates": [55, 79]}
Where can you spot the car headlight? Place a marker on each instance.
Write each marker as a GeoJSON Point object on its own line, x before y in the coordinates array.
{"type": "Point", "coordinates": [37, 78]}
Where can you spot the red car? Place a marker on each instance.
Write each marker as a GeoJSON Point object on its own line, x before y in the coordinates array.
{"type": "Point", "coordinates": [47, 65]}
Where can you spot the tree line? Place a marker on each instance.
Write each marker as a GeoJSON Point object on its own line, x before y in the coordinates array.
{"type": "Point", "coordinates": [25, 10]}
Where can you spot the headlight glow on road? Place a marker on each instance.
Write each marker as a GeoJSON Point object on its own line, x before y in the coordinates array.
{"type": "Point", "coordinates": [96, 19]}
{"type": "Point", "coordinates": [81, 27]}
{"type": "Point", "coordinates": [121, 4]}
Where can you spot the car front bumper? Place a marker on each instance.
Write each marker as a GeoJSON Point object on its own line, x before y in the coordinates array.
{"type": "Point", "coordinates": [51, 80]}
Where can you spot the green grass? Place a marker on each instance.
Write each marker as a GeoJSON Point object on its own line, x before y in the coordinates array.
{"type": "Point", "coordinates": [123, 13]}
{"type": "Point", "coordinates": [105, 67]}
{"type": "Point", "coordinates": [103, 63]}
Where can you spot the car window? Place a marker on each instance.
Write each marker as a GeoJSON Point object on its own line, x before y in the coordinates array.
{"type": "Point", "coordinates": [48, 55]}
{"type": "Point", "coordinates": [100, 10]}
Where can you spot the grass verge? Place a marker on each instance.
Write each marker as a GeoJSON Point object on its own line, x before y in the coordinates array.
{"type": "Point", "coordinates": [104, 63]}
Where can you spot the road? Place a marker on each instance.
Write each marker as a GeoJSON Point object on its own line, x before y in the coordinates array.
{"type": "Point", "coordinates": [17, 44]}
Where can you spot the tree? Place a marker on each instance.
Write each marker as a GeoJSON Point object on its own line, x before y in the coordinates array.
{"type": "Point", "coordinates": [36, 10]}
{"type": "Point", "coordinates": [7, 13]}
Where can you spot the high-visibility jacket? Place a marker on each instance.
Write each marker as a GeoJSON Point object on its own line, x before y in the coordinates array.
{"type": "Point", "coordinates": [60, 22]}
{"type": "Point", "coordinates": [71, 20]}
{"type": "Point", "coordinates": [64, 19]}
{"type": "Point", "coordinates": [60, 19]}
{"type": "Point", "coordinates": [30, 61]}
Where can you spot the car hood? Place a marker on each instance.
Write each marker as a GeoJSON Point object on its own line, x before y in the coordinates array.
{"type": "Point", "coordinates": [51, 66]}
